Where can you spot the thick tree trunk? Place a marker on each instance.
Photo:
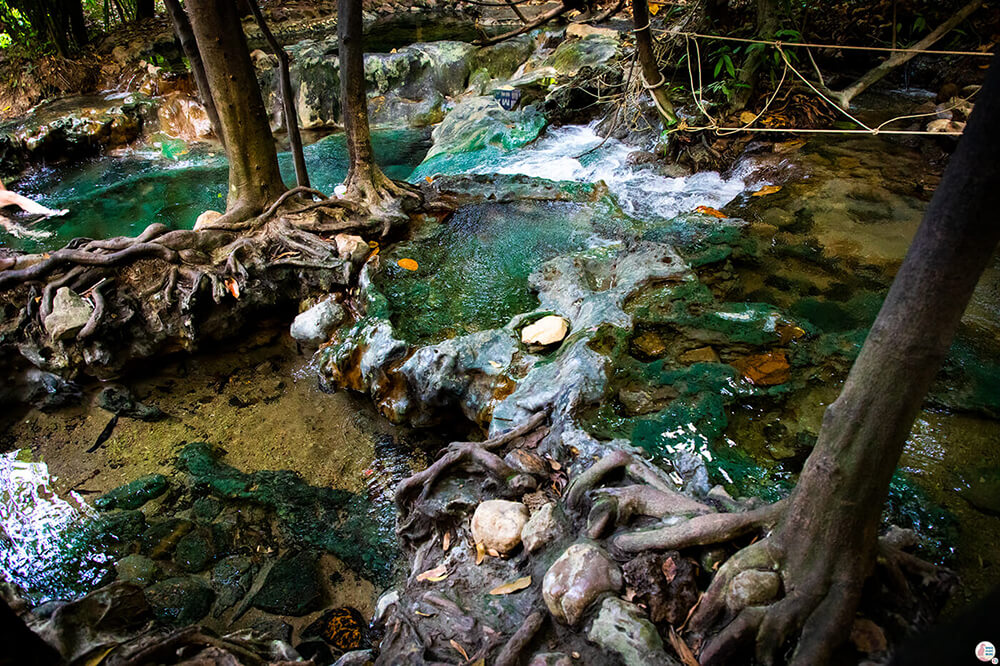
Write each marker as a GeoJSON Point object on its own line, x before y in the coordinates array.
{"type": "Point", "coordinates": [287, 102]}
{"type": "Point", "coordinates": [829, 531]}
{"type": "Point", "coordinates": [182, 29]}
{"type": "Point", "coordinates": [76, 21]}
{"type": "Point", "coordinates": [768, 22]}
{"type": "Point", "coordinates": [254, 179]}
{"type": "Point", "coordinates": [652, 77]}
{"type": "Point", "coordinates": [896, 59]}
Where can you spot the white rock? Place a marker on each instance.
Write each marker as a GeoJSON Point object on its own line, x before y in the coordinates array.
{"type": "Point", "coordinates": [497, 524]}
{"type": "Point", "coordinates": [206, 218]}
{"type": "Point", "coordinates": [315, 325]}
{"type": "Point", "coordinates": [351, 248]}
{"type": "Point", "coordinates": [548, 330]}
{"type": "Point", "coordinates": [70, 313]}
{"type": "Point", "coordinates": [542, 528]}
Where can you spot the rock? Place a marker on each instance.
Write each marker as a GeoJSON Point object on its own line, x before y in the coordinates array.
{"type": "Point", "coordinates": [351, 248]}
{"type": "Point", "coordinates": [119, 400]}
{"type": "Point", "coordinates": [195, 550]}
{"type": "Point", "coordinates": [315, 325]}
{"type": "Point", "coordinates": [945, 125]}
{"type": "Point", "coordinates": [579, 577]}
{"type": "Point", "coordinates": [641, 157]}
{"type": "Point", "coordinates": [183, 117]}
{"type": "Point", "coordinates": [133, 495]}
{"type": "Point", "coordinates": [543, 527]}
{"type": "Point", "coordinates": [700, 355]}
{"type": "Point", "coordinates": [752, 588]}
{"type": "Point", "coordinates": [982, 491]}
{"type": "Point", "coordinates": [574, 54]}
{"type": "Point", "coordinates": [583, 30]}
{"type": "Point", "coordinates": [620, 628]}
{"type": "Point", "coordinates": [231, 579]}
{"type": "Point", "coordinates": [767, 369]}
{"type": "Point", "coordinates": [546, 331]}
{"type": "Point", "coordinates": [70, 313]}
{"type": "Point", "coordinates": [497, 524]}
{"type": "Point", "coordinates": [206, 509]}
{"type": "Point", "coordinates": [355, 658]}
{"type": "Point", "coordinates": [500, 61]}
{"type": "Point", "coordinates": [665, 584]}
{"type": "Point", "coordinates": [650, 344]}
{"type": "Point", "coordinates": [550, 659]}
{"type": "Point", "coordinates": [292, 586]}
{"type": "Point", "coordinates": [206, 219]}
{"type": "Point", "coordinates": [137, 569]}
{"type": "Point", "coordinates": [527, 462]}
{"type": "Point", "coordinates": [180, 601]}
{"type": "Point", "coordinates": [160, 539]}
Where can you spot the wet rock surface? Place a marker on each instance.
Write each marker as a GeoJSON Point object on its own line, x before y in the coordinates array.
{"type": "Point", "coordinates": [577, 579]}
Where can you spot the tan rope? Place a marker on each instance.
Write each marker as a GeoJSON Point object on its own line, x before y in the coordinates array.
{"type": "Point", "coordinates": [884, 49]}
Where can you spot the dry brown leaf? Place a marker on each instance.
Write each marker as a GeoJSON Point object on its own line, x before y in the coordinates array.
{"type": "Point", "coordinates": [708, 210]}
{"type": "Point", "coordinates": [554, 464]}
{"type": "Point", "coordinates": [460, 649]}
{"type": "Point", "coordinates": [446, 541]}
{"type": "Point", "coordinates": [434, 575]}
{"type": "Point", "coordinates": [493, 552]}
{"type": "Point", "coordinates": [98, 657]}
{"type": "Point", "coordinates": [669, 569]}
{"type": "Point", "coordinates": [480, 553]}
{"type": "Point", "coordinates": [767, 189]}
{"type": "Point", "coordinates": [512, 586]}
{"type": "Point", "coordinates": [682, 649]}
{"type": "Point", "coordinates": [746, 118]}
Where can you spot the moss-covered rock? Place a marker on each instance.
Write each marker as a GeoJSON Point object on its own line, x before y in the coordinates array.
{"type": "Point", "coordinates": [133, 495]}
{"type": "Point", "coordinates": [180, 601]}
{"type": "Point", "coordinates": [291, 587]}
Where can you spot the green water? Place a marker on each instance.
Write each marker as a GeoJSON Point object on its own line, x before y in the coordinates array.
{"type": "Point", "coordinates": [173, 183]}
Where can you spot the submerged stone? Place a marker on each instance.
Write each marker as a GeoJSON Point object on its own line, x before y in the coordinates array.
{"type": "Point", "coordinates": [133, 495]}
{"type": "Point", "coordinates": [70, 313]}
{"type": "Point", "coordinates": [232, 579]}
{"type": "Point", "coordinates": [137, 569]}
{"type": "Point", "coordinates": [292, 586]}
{"type": "Point", "coordinates": [180, 601]}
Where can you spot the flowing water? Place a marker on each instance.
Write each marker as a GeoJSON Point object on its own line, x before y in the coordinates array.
{"type": "Point", "coordinates": [818, 253]}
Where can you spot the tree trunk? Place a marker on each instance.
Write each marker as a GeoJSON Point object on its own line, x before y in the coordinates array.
{"type": "Point", "coordinates": [22, 647]}
{"type": "Point", "coordinates": [254, 178]}
{"type": "Point", "coordinates": [768, 22]}
{"type": "Point", "coordinates": [182, 28]}
{"type": "Point", "coordinates": [144, 9]}
{"type": "Point", "coordinates": [829, 532]}
{"type": "Point", "coordinates": [896, 59]}
{"type": "Point", "coordinates": [652, 77]}
{"type": "Point", "coordinates": [77, 22]}
{"type": "Point", "coordinates": [287, 102]}
{"type": "Point", "coordinates": [353, 97]}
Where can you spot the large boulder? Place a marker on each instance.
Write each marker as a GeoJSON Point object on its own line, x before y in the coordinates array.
{"type": "Point", "coordinates": [572, 55]}
{"type": "Point", "coordinates": [183, 117]}
{"type": "Point", "coordinates": [502, 60]}
{"type": "Point", "coordinates": [315, 325]}
{"type": "Point", "coordinates": [581, 575]}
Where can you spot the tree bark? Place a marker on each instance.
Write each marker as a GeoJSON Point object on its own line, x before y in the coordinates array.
{"type": "Point", "coordinates": [652, 77]}
{"type": "Point", "coordinates": [829, 531]}
{"type": "Point", "coordinates": [254, 178]}
{"type": "Point", "coordinates": [182, 29]}
{"type": "Point", "coordinates": [896, 59]}
{"type": "Point", "coordinates": [768, 22]}
{"type": "Point", "coordinates": [353, 97]}
{"type": "Point", "coordinates": [287, 102]}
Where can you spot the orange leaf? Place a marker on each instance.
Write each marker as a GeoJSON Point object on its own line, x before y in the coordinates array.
{"type": "Point", "coordinates": [512, 586]}
{"type": "Point", "coordinates": [408, 264]}
{"type": "Point", "coordinates": [767, 189]}
{"type": "Point", "coordinates": [233, 287]}
{"type": "Point", "coordinates": [480, 553]}
{"type": "Point", "coordinates": [706, 210]}
{"type": "Point", "coordinates": [434, 575]}
{"type": "Point", "coordinates": [428, 179]}
{"type": "Point", "coordinates": [446, 542]}
{"type": "Point", "coordinates": [460, 649]}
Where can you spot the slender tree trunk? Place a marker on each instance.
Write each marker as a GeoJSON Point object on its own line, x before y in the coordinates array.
{"type": "Point", "coordinates": [896, 59]}
{"type": "Point", "coordinates": [254, 179]}
{"type": "Point", "coordinates": [830, 529]}
{"type": "Point", "coordinates": [22, 647]}
{"type": "Point", "coordinates": [768, 22]}
{"type": "Point", "coordinates": [182, 28]}
{"type": "Point", "coordinates": [287, 101]}
{"type": "Point", "coordinates": [353, 97]}
{"type": "Point", "coordinates": [77, 22]}
{"type": "Point", "coordinates": [652, 77]}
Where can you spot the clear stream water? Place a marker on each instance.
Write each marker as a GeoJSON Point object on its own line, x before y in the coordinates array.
{"type": "Point", "coordinates": [824, 249]}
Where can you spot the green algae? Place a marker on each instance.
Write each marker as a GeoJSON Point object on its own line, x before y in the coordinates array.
{"type": "Point", "coordinates": [336, 521]}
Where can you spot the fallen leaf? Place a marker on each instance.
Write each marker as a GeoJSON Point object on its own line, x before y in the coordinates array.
{"type": "Point", "coordinates": [98, 657]}
{"type": "Point", "coordinates": [493, 552]}
{"type": "Point", "coordinates": [495, 365]}
{"type": "Point", "coordinates": [373, 244]}
{"type": "Point", "coordinates": [654, 8]}
{"type": "Point", "coordinates": [767, 189]}
{"type": "Point", "coordinates": [428, 179]}
{"type": "Point", "coordinates": [707, 210]}
{"type": "Point", "coordinates": [233, 287]}
{"type": "Point", "coordinates": [480, 553]}
{"type": "Point", "coordinates": [767, 369]}
{"type": "Point", "coordinates": [669, 569]}
{"type": "Point", "coordinates": [789, 332]}
{"type": "Point", "coordinates": [682, 649]}
{"type": "Point", "coordinates": [746, 117]}
{"type": "Point", "coordinates": [554, 464]}
{"type": "Point", "coordinates": [512, 586]}
{"type": "Point", "coordinates": [867, 636]}
{"type": "Point", "coordinates": [788, 146]}
{"type": "Point", "coordinates": [408, 264]}
{"type": "Point", "coordinates": [460, 649]}
{"type": "Point", "coordinates": [446, 541]}
{"type": "Point", "coordinates": [422, 614]}
{"type": "Point", "coordinates": [434, 575]}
